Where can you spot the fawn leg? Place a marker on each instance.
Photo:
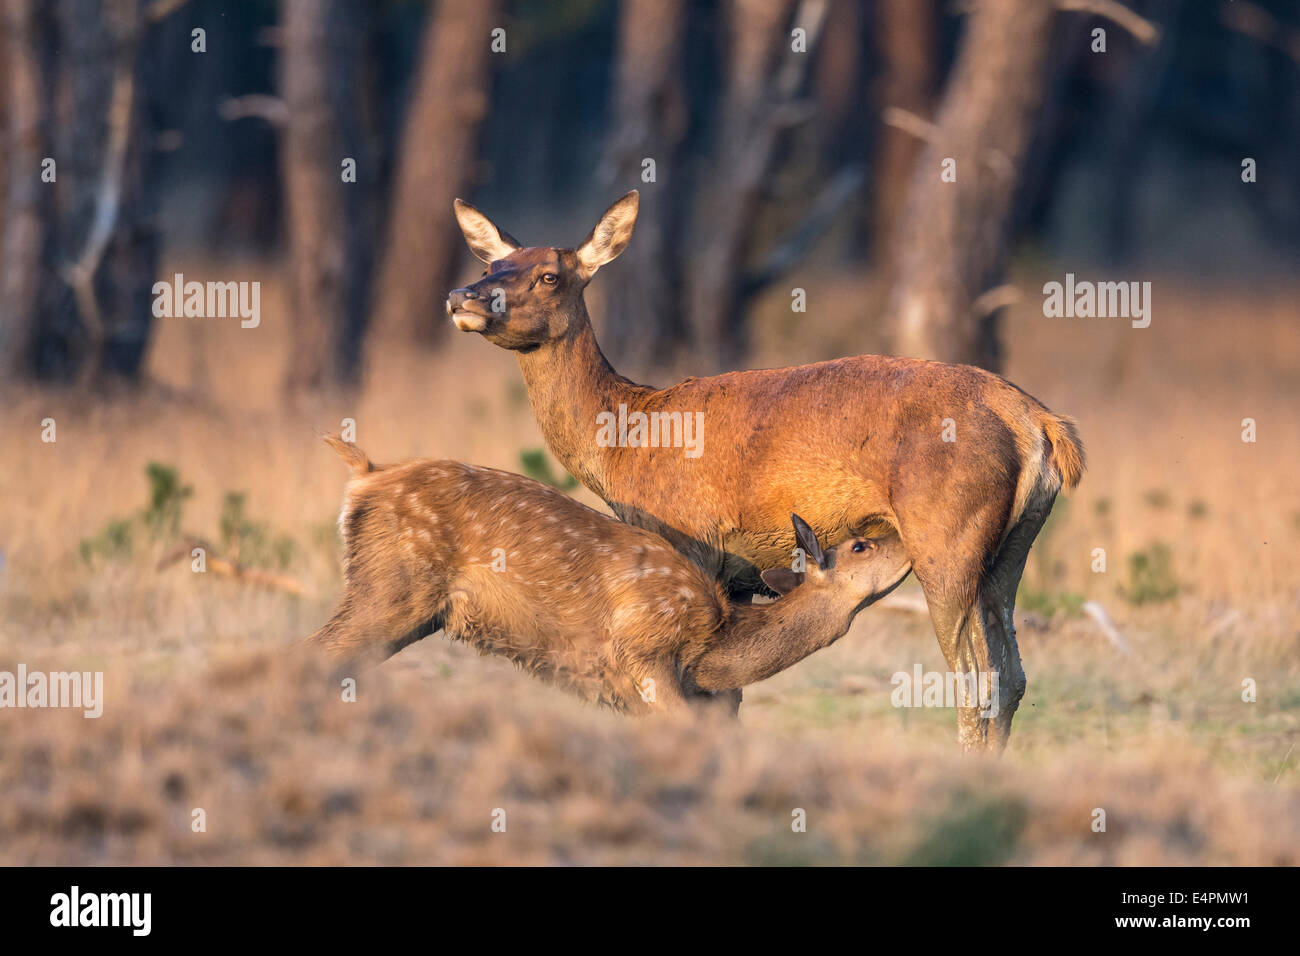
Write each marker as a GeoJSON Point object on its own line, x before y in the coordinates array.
{"type": "Point", "coordinates": [358, 640]}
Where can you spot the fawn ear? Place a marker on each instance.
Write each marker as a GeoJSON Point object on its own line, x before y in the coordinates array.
{"type": "Point", "coordinates": [782, 580]}
{"type": "Point", "coordinates": [611, 235]}
{"type": "Point", "coordinates": [808, 541]}
{"type": "Point", "coordinates": [486, 241]}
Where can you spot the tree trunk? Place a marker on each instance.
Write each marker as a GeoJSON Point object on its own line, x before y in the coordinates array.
{"type": "Point", "coordinates": [130, 258]}
{"type": "Point", "coordinates": [26, 200]}
{"type": "Point", "coordinates": [645, 321]}
{"type": "Point", "coordinates": [752, 110]}
{"type": "Point", "coordinates": [908, 48]}
{"type": "Point", "coordinates": [448, 101]}
{"type": "Point", "coordinates": [80, 251]}
{"type": "Point", "coordinates": [312, 158]}
{"type": "Point", "coordinates": [950, 241]}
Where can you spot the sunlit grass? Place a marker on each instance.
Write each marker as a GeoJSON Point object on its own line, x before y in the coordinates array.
{"type": "Point", "coordinates": [201, 712]}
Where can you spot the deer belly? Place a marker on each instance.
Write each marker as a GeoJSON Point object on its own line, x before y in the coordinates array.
{"type": "Point", "coordinates": [575, 660]}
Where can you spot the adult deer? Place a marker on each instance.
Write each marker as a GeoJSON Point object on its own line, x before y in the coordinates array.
{"type": "Point", "coordinates": [963, 464]}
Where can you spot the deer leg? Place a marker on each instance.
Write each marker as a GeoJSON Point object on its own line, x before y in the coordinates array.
{"type": "Point", "coordinates": [972, 615]}
{"type": "Point", "coordinates": [359, 639]}
{"type": "Point", "coordinates": [978, 658]}
{"type": "Point", "coordinates": [951, 551]}
{"type": "Point", "coordinates": [998, 604]}
{"type": "Point", "coordinates": [656, 690]}
{"type": "Point", "coordinates": [727, 701]}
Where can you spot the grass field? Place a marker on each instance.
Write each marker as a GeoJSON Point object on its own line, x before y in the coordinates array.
{"type": "Point", "coordinates": [203, 711]}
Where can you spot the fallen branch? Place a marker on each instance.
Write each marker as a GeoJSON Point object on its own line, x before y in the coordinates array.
{"type": "Point", "coordinates": [1113, 634]}
{"type": "Point", "coordinates": [232, 569]}
{"type": "Point", "coordinates": [258, 578]}
{"type": "Point", "coordinates": [181, 551]}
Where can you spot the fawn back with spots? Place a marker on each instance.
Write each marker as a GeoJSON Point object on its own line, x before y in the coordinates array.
{"type": "Point", "coordinates": [607, 610]}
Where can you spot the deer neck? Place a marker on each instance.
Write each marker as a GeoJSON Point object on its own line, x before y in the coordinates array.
{"type": "Point", "coordinates": [569, 383]}
{"type": "Point", "coordinates": [815, 618]}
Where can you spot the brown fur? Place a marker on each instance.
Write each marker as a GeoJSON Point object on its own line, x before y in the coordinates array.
{"type": "Point", "coordinates": [853, 445]}
{"type": "Point", "coordinates": [1067, 448]}
{"type": "Point", "coordinates": [350, 453]}
{"type": "Point", "coordinates": [591, 604]}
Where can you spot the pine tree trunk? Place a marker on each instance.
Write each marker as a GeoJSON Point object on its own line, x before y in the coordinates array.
{"type": "Point", "coordinates": [951, 238]}
{"type": "Point", "coordinates": [750, 125]}
{"type": "Point", "coordinates": [26, 200]}
{"type": "Point", "coordinates": [312, 157]}
{"type": "Point", "coordinates": [645, 321]}
{"type": "Point", "coordinates": [908, 48]}
{"type": "Point", "coordinates": [440, 142]}
{"type": "Point", "coordinates": [80, 250]}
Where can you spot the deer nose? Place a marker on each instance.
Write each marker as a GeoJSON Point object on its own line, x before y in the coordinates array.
{"type": "Point", "coordinates": [458, 297]}
{"type": "Point", "coordinates": [465, 320]}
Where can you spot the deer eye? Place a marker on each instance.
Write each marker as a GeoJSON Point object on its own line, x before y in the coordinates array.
{"type": "Point", "coordinates": [859, 547]}
{"type": "Point", "coordinates": [550, 278]}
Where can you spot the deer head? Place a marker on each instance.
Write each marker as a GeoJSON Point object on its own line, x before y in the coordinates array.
{"type": "Point", "coordinates": [860, 570]}
{"type": "Point", "coordinates": [531, 295]}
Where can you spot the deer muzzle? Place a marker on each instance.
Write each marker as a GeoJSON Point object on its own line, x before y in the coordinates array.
{"type": "Point", "coordinates": [466, 309]}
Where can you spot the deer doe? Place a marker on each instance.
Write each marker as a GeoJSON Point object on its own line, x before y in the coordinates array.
{"type": "Point", "coordinates": [604, 609]}
{"type": "Point", "coordinates": [962, 464]}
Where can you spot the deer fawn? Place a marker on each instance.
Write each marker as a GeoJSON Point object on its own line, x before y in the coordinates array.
{"type": "Point", "coordinates": [963, 464]}
{"type": "Point", "coordinates": [604, 609]}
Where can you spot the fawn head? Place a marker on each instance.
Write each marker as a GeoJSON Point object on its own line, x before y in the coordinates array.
{"type": "Point", "coordinates": [532, 295]}
{"type": "Point", "coordinates": [861, 570]}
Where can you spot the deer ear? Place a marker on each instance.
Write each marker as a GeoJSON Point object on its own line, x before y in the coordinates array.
{"type": "Point", "coordinates": [486, 241]}
{"type": "Point", "coordinates": [808, 540]}
{"type": "Point", "coordinates": [782, 580]}
{"type": "Point", "coordinates": [611, 235]}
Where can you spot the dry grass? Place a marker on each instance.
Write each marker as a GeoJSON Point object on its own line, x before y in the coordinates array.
{"type": "Point", "coordinates": [202, 710]}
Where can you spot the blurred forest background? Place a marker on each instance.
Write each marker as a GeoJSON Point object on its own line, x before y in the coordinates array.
{"type": "Point", "coordinates": [768, 148]}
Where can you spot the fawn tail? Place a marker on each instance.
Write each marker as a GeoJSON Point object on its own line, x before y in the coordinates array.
{"type": "Point", "coordinates": [357, 459]}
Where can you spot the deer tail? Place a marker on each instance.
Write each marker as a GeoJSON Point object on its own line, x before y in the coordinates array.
{"type": "Point", "coordinates": [1067, 453]}
{"type": "Point", "coordinates": [356, 458]}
